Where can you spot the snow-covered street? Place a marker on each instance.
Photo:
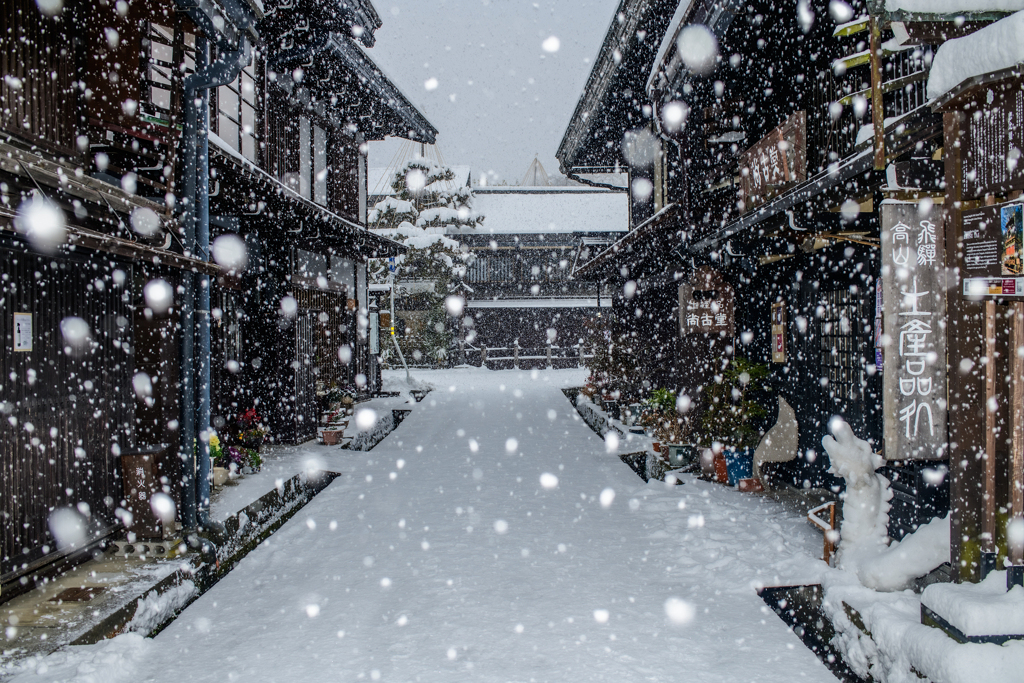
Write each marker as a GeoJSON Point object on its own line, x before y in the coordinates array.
{"type": "Point", "coordinates": [447, 553]}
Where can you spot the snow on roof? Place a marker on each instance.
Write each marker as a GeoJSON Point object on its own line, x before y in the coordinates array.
{"type": "Point", "coordinates": [953, 6]}
{"type": "Point", "coordinates": [666, 42]}
{"type": "Point", "coordinates": [516, 211]}
{"type": "Point", "coordinates": [997, 46]}
{"type": "Point", "coordinates": [378, 178]}
{"type": "Point", "coordinates": [539, 302]}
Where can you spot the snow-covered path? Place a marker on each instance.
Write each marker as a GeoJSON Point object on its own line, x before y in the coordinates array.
{"type": "Point", "coordinates": [441, 557]}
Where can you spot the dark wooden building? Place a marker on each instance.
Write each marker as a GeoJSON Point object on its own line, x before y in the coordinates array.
{"type": "Point", "coordinates": [97, 262]}
{"type": "Point", "coordinates": [803, 167]}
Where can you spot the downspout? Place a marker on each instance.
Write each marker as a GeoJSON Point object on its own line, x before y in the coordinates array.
{"type": "Point", "coordinates": [195, 452]}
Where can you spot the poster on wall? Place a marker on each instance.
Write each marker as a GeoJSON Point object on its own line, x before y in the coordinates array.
{"type": "Point", "coordinates": [914, 321]}
{"type": "Point", "coordinates": [778, 332]}
{"type": "Point", "coordinates": [22, 331]}
{"type": "Point", "coordinates": [992, 262]}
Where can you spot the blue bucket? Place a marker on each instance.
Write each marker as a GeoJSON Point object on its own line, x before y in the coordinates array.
{"type": "Point", "coordinates": [739, 463]}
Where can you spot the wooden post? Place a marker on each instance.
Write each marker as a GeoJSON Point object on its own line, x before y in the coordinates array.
{"type": "Point", "coordinates": [483, 356]}
{"type": "Point", "coordinates": [549, 355]}
{"type": "Point", "coordinates": [988, 519]}
{"type": "Point", "coordinates": [1017, 416]}
{"type": "Point", "coordinates": [515, 355]}
{"type": "Point", "coordinates": [877, 111]}
{"type": "Point", "coordinates": [830, 545]}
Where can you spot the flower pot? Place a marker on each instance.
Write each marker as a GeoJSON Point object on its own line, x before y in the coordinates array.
{"type": "Point", "coordinates": [219, 475]}
{"type": "Point", "coordinates": [739, 464]}
{"type": "Point", "coordinates": [681, 455]}
{"type": "Point", "coordinates": [721, 469]}
{"type": "Point", "coordinates": [332, 437]}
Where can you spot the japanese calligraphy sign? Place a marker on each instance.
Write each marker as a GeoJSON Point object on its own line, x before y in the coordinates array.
{"type": "Point", "coordinates": [706, 304]}
{"type": "Point", "coordinates": [991, 263]}
{"type": "Point", "coordinates": [778, 159]}
{"type": "Point", "coordinates": [779, 332]}
{"type": "Point", "coordinates": [914, 332]}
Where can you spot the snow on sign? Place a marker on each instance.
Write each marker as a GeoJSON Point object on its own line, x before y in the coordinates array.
{"type": "Point", "coordinates": [22, 331]}
{"type": "Point", "coordinates": [914, 322]}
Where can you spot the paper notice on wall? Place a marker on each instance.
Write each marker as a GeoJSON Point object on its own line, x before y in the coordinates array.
{"type": "Point", "coordinates": [22, 331]}
{"type": "Point", "coordinates": [914, 322]}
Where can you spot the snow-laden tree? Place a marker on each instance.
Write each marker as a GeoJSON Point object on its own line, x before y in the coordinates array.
{"type": "Point", "coordinates": [428, 206]}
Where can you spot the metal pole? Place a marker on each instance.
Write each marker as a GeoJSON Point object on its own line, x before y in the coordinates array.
{"type": "Point", "coordinates": [203, 317]}
{"type": "Point", "coordinates": [187, 444]}
{"type": "Point", "coordinates": [398, 348]}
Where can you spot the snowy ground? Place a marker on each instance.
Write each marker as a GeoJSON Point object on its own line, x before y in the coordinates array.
{"type": "Point", "coordinates": [440, 556]}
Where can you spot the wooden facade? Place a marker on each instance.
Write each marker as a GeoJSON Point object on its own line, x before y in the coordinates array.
{"type": "Point", "coordinates": [804, 251]}
{"type": "Point", "coordinates": [91, 124]}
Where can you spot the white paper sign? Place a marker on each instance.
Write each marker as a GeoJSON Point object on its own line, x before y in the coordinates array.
{"type": "Point", "coordinates": [22, 331]}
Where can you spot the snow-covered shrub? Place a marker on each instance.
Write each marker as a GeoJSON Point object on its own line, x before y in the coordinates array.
{"type": "Point", "coordinates": [864, 531]}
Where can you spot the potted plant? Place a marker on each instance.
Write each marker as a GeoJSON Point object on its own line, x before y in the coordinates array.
{"type": "Point", "coordinates": [731, 415]}
{"type": "Point", "coordinates": [659, 414]}
{"type": "Point", "coordinates": [251, 432]}
{"type": "Point", "coordinates": [218, 461]}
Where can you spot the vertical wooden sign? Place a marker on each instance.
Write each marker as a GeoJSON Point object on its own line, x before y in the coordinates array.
{"type": "Point", "coordinates": [779, 332]}
{"type": "Point", "coordinates": [914, 322]}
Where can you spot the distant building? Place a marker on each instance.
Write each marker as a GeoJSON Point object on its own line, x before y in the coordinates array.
{"type": "Point", "coordinates": [518, 286]}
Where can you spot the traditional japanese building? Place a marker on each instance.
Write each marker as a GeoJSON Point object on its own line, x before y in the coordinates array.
{"type": "Point", "coordinates": [183, 236]}
{"type": "Point", "coordinates": [792, 200]}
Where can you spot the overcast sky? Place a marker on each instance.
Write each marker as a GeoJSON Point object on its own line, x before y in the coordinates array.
{"type": "Point", "coordinates": [500, 97]}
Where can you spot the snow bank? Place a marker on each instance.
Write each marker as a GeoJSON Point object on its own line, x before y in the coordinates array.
{"type": "Point", "coordinates": [595, 417]}
{"type": "Point", "coordinates": [916, 555]}
{"type": "Point", "coordinates": [157, 609]}
{"type": "Point", "coordinates": [109, 661]}
{"type": "Point", "coordinates": [902, 649]}
{"type": "Point", "coordinates": [364, 441]}
{"type": "Point", "coordinates": [864, 530]}
{"type": "Point", "coordinates": [979, 609]}
{"type": "Point", "coordinates": [997, 46]}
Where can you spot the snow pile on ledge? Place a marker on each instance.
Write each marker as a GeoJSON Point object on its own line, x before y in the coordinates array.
{"type": "Point", "coordinates": [902, 649]}
{"type": "Point", "coordinates": [595, 417]}
{"type": "Point", "coordinates": [916, 555]}
{"type": "Point", "coordinates": [157, 609]}
{"type": "Point", "coordinates": [997, 46]}
{"type": "Point", "coordinates": [979, 609]}
{"type": "Point", "coordinates": [365, 440]}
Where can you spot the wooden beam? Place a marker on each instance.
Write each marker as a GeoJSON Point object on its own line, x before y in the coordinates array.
{"type": "Point", "coordinates": [877, 111]}
{"type": "Point", "coordinates": [1017, 412]}
{"type": "Point", "coordinates": [988, 519]}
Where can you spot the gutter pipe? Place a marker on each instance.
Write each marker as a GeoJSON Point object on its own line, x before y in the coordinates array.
{"type": "Point", "coordinates": [195, 420]}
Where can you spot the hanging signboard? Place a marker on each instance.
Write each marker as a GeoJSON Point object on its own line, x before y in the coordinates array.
{"type": "Point", "coordinates": [991, 264]}
{"type": "Point", "coordinates": [778, 332]}
{"type": "Point", "coordinates": [22, 331]}
{"type": "Point", "coordinates": [777, 160]}
{"type": "Point", "coordinates": [914, 322]}
{"type": "Point", "coordinates": [706, 304]}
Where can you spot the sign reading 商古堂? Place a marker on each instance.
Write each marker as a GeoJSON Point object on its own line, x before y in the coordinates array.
{"type": "Point", "coordinates": [914, 322]}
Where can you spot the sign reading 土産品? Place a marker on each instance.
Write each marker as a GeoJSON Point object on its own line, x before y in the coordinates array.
{"type": "Point", "coordinates": [914, 334]}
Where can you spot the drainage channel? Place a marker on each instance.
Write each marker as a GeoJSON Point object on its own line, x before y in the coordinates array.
{"type": "Point", "coordinates": [800, 608]}
{"type": "Point", "coordinates": [154, 610]}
